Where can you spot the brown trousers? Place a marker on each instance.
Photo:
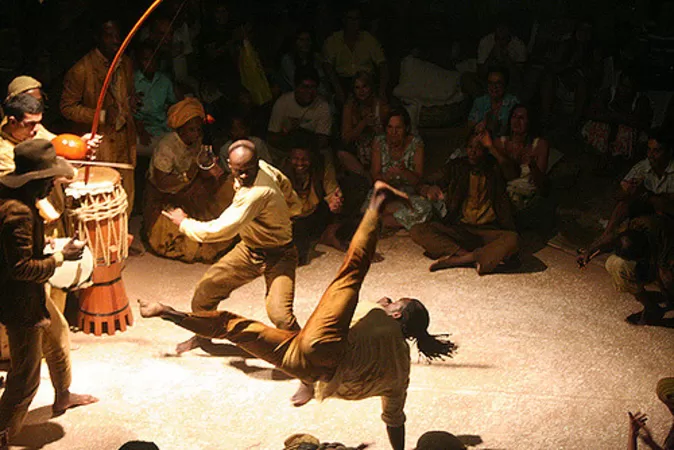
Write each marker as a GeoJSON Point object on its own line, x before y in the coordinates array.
{"type": "Point", "coordinates": [491, 245]}
{"type": "Point", "coordinates": [27, 346]}
{"type": "Point", "coordinates": [240, 266]}
{"type": "Point", "coordinates": [314, 352]}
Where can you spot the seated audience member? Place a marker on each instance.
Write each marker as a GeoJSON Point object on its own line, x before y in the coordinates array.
{"type": "Point", "coordinates": [362, 119]}
{"type": "Point", "coordinates": [572, 74]}
{"type": "Point", "coordinates": [439, 440]}
{"type": "Point", "coordinates": [650, 183]}
{"type": "Point", "coordinates": [502, 49]}
{"type": "Point", "coordinates": [240, 128]}
{"type": "Point", "coordinates": [617, 117]}
{"type": "Point", "coordinates": [301, 55]}
{"type": "Point", "coordinates": [313, 178]}
{"type": "Point", "coordinates": [531, 153]}
{"type": "Point", "coordinates": [478, 227]}
{"type": "Point", "coordinates": [638, 428]}
{"type": "Point", "coordinates": [642, 254]}
{"type": "Point", "coordinates": [182, 176]}
{"type": "Point", "coordinates": [398, 159]}
{"type": "Point", "coordinates": [303, 108]}
{"type": "Point", "coordinates": [349, 51]}
{"type": "Point", "coordinates": [155, 91]}
{"type": "Point", "coordinates": [492, 109]}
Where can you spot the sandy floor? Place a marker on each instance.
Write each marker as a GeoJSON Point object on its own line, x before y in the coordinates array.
{"type": "Point", "coordinates": [546, 362]}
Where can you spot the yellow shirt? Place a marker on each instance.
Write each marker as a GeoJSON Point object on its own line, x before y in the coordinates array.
{"type": "Point", "coordinates": [309, 196]}
{"type": "Point", "coordinates": [365, 56]}
{"type": "Point", "coordinates": [376, 364]}
{"type": "Point", "coordinates": [259, 214]}
{"type": "Point", "coordinates": [7, 144]}
{"type": "Point", "coordinates": [477, 208]}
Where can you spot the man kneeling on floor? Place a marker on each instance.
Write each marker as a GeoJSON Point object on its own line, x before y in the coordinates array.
{"type": "Point", "coordinates": [341, 358]}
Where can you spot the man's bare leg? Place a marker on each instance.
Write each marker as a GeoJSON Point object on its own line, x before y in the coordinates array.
{"type": "Point", "coordinates": [67, 400]}
{"type": "Point", "coordinates": [383, 193]}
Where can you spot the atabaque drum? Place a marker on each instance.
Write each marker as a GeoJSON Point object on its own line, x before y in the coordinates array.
{"type": "Point", "coordinates": [97, 210]}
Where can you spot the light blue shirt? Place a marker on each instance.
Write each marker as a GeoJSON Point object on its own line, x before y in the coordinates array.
{"type": "Point", "coordinates": [482, 105]}
{"type": "Point", "coordinates": [157, 96]}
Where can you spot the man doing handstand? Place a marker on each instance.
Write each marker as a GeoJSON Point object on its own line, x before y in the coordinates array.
{"type": "Point", "coordinates": [369, 359]}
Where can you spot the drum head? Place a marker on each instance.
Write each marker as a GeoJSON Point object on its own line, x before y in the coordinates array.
{"type": "Point", "coordinates": [101, 179]}
{"type": "Point", "coordinates": [72, 275]}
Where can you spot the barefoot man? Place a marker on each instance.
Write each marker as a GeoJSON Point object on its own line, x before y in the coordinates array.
{"type": "Point", "coordinates": [339, 357]}
{"type": "Point", "coordinates": [264, 202]}
{"type": "Point", "coordinates": [24, 268]}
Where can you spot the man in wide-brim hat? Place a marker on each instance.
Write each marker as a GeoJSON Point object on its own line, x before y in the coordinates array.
{"type": "Point", "coordinates": [24, 269]}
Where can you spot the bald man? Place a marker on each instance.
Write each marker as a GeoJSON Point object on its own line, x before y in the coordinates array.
{"type": "Point", "coordinates": [260, 213]}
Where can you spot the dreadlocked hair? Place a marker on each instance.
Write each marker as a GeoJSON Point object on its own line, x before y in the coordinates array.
{"type": "Point", "coordinates": [414, 322]}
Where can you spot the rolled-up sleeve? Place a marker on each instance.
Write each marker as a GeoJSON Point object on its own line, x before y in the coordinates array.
{"type": "Point", "coordinates": [244, 208]}
{"type": "Point", "coordinates": [393, 409]}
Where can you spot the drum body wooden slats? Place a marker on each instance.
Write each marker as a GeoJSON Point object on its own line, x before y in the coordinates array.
{"type": "Point", "coordinates": [98, 211]}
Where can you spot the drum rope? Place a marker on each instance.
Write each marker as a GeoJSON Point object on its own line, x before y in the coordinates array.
{"type": "Point", "coordinates": [105, 208]}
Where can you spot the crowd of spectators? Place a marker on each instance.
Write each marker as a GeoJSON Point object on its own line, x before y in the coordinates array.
{"type": "Point", "coordinates": [317, 87]}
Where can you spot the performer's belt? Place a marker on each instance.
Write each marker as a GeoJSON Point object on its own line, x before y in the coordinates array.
{"type": "Point", "coordinates": [266, 251]}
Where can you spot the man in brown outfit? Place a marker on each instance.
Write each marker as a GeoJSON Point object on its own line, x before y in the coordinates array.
{"type": "Point", "coordinates": [478, 228]}
{"type": "Point", "coordinates": [81, 88]}
{"type": "Point", "coordinates": [24, 269]}
{"type": "Point", "coordinates": [260, 213]}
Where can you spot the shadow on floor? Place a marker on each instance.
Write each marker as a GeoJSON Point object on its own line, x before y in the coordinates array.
{"type": "Point", "coordinates": [38, 435]}
{"type": "Point", "coordinates": [260, 373]}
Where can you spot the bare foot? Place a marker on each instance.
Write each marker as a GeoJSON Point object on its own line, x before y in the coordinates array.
{"type": "Point", "coordinates": [384, 193]}
{"type": "Point", "coordinates": [190, 344]}
{"type": "Point", "coordinates": [67, 400]}
{"type": "Point", "coordinates": [153, 309]}
{"type": "Point", "coordinates": [303, 395]}
{"type": "Point", "coordinates": [448, 262]}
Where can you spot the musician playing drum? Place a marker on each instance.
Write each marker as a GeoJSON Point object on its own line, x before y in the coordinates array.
{"type": "Point", "coordinates": [25, 307]}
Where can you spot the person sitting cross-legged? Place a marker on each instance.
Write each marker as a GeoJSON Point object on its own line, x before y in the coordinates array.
{"type": "Point", "coordinates": [478, 227]}
{"type": "Point", "coordinates": [369, 359]}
